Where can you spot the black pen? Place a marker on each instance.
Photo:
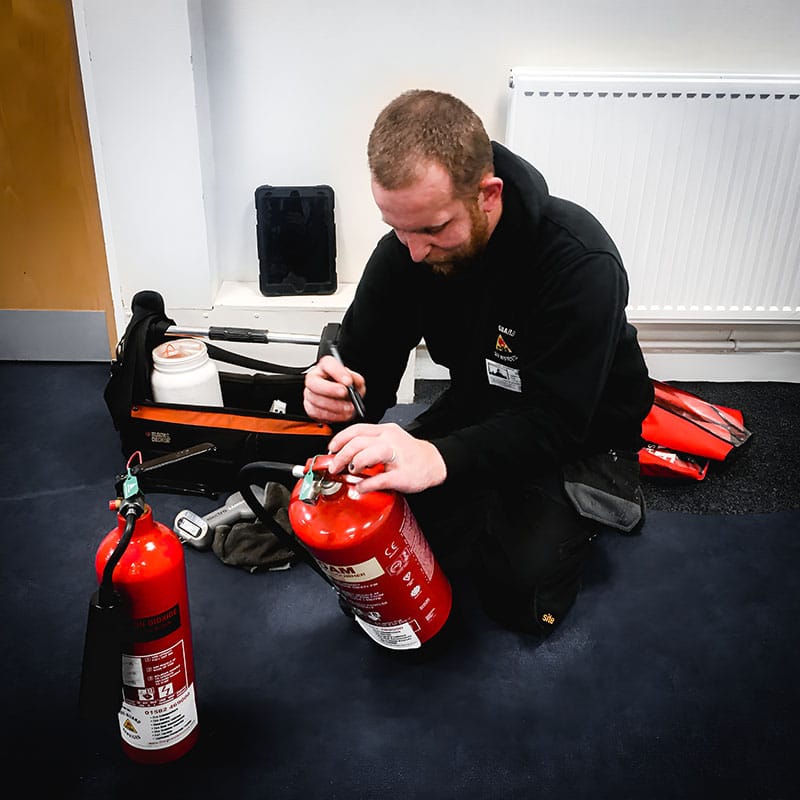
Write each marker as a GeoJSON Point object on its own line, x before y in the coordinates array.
{"type": "Point", "coordinates": [355, 397]}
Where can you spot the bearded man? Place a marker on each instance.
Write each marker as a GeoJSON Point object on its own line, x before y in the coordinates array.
{"type": "Point", "coordinates": [532, 449]}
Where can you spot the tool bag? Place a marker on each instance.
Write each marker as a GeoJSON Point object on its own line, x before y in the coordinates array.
{"type": "Point", "coordinates": [242, 430]}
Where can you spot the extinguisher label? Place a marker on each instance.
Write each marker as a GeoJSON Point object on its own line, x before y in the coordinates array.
{"type": "Point", "coordinates": [417, 543]}
{"type": "Point", "coordinates": [159, 707]}
{"type": "Point", "coordinates": [159, 727]}
{"type": "Point", "coordinates": [394, 637]}
{"type": "Point", "coordinates": [148, 629]}
{"type": "Point", "coordinates": [354, 573]}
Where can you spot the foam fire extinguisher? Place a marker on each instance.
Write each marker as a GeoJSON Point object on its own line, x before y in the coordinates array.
{"type": "Point", "coordinates": [368, 546]}
{"type": "Point", "coordinates": [138, 658]}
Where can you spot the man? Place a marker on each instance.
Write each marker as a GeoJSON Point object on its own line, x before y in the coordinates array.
{"type": "Point", "coordinates": [522, 296]}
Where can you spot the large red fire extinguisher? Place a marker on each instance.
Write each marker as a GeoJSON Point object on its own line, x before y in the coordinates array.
{"type": "Point", "coordinates": [369, 547]}
{"type": "Point", "coordinates": [138, 657]}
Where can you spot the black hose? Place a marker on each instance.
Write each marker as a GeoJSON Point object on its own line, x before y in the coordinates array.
{"type": "Point", "coordinates": [254, 474]}
{"type": "Point", "coordinates": [107, 628]}
{"type": "Point", "coordinates": [107, 596]}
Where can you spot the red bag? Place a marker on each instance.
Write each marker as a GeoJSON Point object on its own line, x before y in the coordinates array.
{"type": "Point", "coordinates": [683, 433]}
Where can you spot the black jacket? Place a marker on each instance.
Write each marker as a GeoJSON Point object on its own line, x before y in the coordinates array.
{"type": "Point", "coordinates": [544, 366]}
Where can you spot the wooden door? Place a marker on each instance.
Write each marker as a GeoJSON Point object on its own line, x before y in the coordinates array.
{"type": "Point", "coordinates": [52, 252]}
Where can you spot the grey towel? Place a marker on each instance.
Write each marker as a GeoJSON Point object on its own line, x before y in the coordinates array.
{"type": "Point", "coordinates": [252, 545]}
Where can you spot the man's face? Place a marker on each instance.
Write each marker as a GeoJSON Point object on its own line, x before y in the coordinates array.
{"type": "Point", "coordinates": [437, 228]}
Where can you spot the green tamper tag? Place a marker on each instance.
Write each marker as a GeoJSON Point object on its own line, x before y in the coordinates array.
{"type": "Point", "coordinates": [309, 488]}
{"type": "Point", "coordinates": [130, 486]}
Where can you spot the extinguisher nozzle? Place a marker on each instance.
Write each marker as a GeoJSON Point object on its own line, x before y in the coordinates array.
{"type": "Point", "coordinates": [101, 676]}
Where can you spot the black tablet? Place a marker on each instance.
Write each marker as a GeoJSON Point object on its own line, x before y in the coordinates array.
{"type": "Point", "coordinates": [296, 240]}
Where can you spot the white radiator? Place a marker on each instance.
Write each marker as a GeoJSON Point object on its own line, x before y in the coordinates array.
{"type": "Point", "coordinates": [696, 178]}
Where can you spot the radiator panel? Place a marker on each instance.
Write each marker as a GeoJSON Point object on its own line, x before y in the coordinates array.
{"type": "Point", "coordinates": [696, 178]}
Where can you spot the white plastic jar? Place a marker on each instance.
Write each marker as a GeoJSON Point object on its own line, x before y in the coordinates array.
{"type": "Point", "coordinates": [183, 373]}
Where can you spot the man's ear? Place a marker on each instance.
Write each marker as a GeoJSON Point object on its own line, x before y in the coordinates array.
{"type": "Point", "coordinates": [490, 192]}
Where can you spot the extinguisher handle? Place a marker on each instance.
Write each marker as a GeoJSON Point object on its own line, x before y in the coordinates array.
{"type": "Point", "coordinates": [163, 461]}
{"type": "Point", "coordinates": [322, 462]}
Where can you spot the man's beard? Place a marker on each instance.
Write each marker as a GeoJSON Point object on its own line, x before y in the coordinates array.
{"type": "Point", "coordinates": [461, 258]}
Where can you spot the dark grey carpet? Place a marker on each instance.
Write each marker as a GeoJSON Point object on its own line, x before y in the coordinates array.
{"type": "Point", "coordinates": [673, 677]}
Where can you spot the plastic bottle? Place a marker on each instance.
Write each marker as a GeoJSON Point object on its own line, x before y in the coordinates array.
{"type": "Point", "coordinates": [183, 373]}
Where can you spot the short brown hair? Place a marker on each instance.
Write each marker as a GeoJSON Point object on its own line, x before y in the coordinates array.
{"type": "Point", "coordinates": [423, 125]}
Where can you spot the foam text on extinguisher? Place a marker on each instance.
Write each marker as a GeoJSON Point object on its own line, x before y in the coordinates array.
{"type": "Point", "coordinates": [353, 573]}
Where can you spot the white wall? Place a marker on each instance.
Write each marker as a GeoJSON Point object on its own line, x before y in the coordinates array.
{"type": "Point", "coordinates": [295, 86]}
{"type": "Point", "coordinates": [290, 91]}
{"type": "Point", "coordinates": [151, 143]}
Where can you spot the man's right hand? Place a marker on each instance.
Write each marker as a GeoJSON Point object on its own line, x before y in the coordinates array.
{"type": "Point", "coordinates": [325, 397]}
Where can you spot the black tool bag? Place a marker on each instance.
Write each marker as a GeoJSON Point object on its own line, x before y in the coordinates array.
{"type": "Point", "coordinates": [241, 431]}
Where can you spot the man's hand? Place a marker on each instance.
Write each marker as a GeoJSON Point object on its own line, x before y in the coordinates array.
{"type": "Point", "coordinates": [325, 397]}
{"type": "Point", "coordinates": [411, 465]}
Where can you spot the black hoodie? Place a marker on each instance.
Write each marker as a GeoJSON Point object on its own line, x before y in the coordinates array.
{"type": "Point", "coordinates": [544, 366]}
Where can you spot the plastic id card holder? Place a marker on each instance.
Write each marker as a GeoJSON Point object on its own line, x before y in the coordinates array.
{"type": "Point", "coordinates": [296, 240]}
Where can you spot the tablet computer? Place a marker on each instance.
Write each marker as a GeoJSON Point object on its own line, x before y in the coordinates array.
{"type": "Point", "coordinates": [296, 240]}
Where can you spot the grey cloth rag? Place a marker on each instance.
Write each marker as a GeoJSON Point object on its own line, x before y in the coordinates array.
{"type": "Point", "coordinates": [252, 545]}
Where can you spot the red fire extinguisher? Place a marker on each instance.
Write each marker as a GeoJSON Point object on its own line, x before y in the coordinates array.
{"type": "Point", "coordinates": [369, 547]}
{"type": "Point", "coordinates": [138, 657]}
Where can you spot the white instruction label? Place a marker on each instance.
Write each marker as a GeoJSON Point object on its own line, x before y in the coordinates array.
{"type": "Point", "coordinates": [395, 637]}
{"type": "Point", "coordinates": [158, 709]}
{"type": "Point", "coordinates": [156, 727]}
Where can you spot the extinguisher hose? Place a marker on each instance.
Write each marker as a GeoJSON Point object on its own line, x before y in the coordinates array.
{"type": "Point", "coordinates": [254, 473]}
{"type": "Point", "coordinates": [106, 628]}
{"type": "Point", "coordinates": [106, 593]}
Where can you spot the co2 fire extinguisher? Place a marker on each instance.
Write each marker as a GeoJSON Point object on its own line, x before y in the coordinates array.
{"type": "Point", "coordinates": [138, 657]}
{"type": "Point", "coordinates": [369, 547]}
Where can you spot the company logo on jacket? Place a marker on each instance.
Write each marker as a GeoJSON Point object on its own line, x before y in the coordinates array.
{"type": "Point", "coordinates": [503, 350]}
{"type": "Point", "coordinates": [499, 371]}
{"type": "Point", "coordinates": [501, 346]}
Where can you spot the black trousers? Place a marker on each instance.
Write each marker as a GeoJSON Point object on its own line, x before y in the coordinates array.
{"type": "Point", "coordinates": [525, 547]}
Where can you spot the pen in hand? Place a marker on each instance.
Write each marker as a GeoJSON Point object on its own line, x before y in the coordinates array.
{"type": "Point", "coordinates": [355, 397]}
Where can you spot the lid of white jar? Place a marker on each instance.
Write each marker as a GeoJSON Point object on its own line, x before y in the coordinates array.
{"type": "Point", "coordinates": [177, 355]}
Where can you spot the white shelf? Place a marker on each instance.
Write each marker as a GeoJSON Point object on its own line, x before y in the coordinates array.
{"type": "Point", "coordinates": [246, 295]}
